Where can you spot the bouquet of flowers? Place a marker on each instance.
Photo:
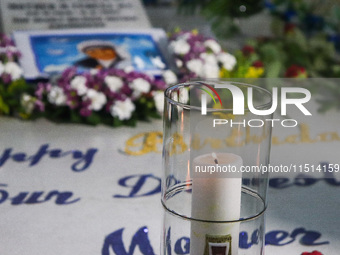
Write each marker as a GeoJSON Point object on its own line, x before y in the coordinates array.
{"type": "Point", "coordinates": [197, 56]}
{"type": "Point", "coordinates": [112, 97]}
{"type": "Point", "coordinates": [121, 97]}
{"type": "Point", "coordinates": [118, 97]}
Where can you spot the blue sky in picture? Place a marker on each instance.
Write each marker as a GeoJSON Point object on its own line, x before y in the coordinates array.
{"type": "Point", "coordinates": [54, 53]}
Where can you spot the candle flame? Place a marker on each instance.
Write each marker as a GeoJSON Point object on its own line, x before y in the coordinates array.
{"type": "Point", "coordinates": [215, 157]}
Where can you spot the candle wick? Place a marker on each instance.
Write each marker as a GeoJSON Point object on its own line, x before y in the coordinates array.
{"type": "Point", "coordinates": [215, 157]}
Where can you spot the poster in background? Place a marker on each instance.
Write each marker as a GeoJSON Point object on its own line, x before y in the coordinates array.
{"type": "Point", "coordinates": [71, 14]}
{"type": "Point", "coordinates": [50, 52]}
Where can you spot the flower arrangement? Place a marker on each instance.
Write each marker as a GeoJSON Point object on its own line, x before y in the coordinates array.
{"type": "Point", "coordinates": [113, 97]}
{"type": "Point", "coordinates": [197, 56]}
{"type": "Point", "coordinates": [116, 97]}
{"type": "Point", "coordinates": [122, 97]}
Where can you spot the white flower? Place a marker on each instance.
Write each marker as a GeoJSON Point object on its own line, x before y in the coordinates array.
{"type": "Point", "coordinates": [180, 47]}
{"type": "Point", "coordinates": [98, 99]}
{"type": "Point", "coordinates": [12, 48]}
{"type": "Point", "coordinates": [158, 62]}
{"type": "Point", "coordinates": [13, 69]}
{"type": "Point", "coordinates": [114, 83]}
{"type": "Point", "coordinates": [129, 69]}
{"type": "Point", "coordinates": [174, 96]}
{"type": "Point", "coordinates": [79, 84]}
{"type": "Point", "coordinates": [57, 96]}
{"type": "Point", "coordinates": [211, 71]}
{"type": "Point", "coordinates": [158, 97]}
{"type": "Point", "coordinates": [228, 61]}
{"type": "Point", "coordinates": [27, 102]}
{"type": "Point", "coordinates": [209, 58]}
{"type": "Point", "coordinates": [183, 95]}
{"type": "Point", "coordinates": [94, 71]}
{"type": "Point", "coordinates": [196, 66]}
{"type": "Point", "coordinates": [179, 63]}
{"type": "Point", "coordinates": [213, 45]}
{"type": "Point", "coordinates": [139, 86]}
{"type": "Point", "coordinates": [123, 109]}
{"type": "Point", "coordinates": [2, 68]}
{"type": "Point", "coordinates": [184, 36]}
{"type": "Point", "coordinates": [169, 77]}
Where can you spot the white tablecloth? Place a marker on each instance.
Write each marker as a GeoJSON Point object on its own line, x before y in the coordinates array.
{"type": "Point", "coordinates": [80, 194]}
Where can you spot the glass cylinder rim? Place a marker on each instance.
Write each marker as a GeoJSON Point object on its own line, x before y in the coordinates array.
{"type": "Point", "coordinates": [190, 107]}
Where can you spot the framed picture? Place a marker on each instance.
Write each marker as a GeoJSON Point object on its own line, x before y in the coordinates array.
{"type": "Point", "coordinates": [46, 53]}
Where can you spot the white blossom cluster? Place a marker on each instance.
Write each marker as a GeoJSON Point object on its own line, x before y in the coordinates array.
{"type": "Point", "coordinates": [12, 69]}
{"type": "Point", "coordinates": [202, 57]}
{"type": "Point", "coordinates": [111, 95]}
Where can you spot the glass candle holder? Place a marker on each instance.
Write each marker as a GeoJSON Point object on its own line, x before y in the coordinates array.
{"type": "Point", "coordinates": [216, 147]}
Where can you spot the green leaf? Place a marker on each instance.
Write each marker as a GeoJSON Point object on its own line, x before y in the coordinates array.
{"type": "Point", "coordinates": [299, 38]}
{"type": "Point", "coordinates": [117, 122]}
{"type": "Point", "coordinates": [273, 70]}
{"type": "Point", "coordinates": [17, 86]}
{"type": "Point", "coordinates": [93, 119]}
{"type": "Point", "coordinates": [277, 27]}
{"type": "Point", "coordinates": [75, 117]}
{"type": "Point", "coordinates": [336, 70]}
{"type": "Point", "coordinates": [336, 11]}
{"type": "Point", "coordinates": [319, 64]}
{"type": "Point", "coordinates": [270, 53]}
{"type": "Point", "coordinates": [131, 122]}
{"type": "Point", "coordinates": [154, 114]}
{"type": "Point", "coordinates": [4, 108]}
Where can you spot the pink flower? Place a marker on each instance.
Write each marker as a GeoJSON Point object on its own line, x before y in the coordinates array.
{"type": "Point", "coordinates": [39, 105]}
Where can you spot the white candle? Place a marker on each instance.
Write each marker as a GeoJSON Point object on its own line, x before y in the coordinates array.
{"type": "Point", "coordinates": [215, 197]}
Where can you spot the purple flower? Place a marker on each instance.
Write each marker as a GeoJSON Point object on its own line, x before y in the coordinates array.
{"type": "Point", "coordinates": [6, 78]}
{"type": "Point", "coordinates": [40, 105]}
{"type": "Point", "coordinates": [72, 100]}
{"type": "Point", "coordinates": [66, 77]}
{"type": "Point", "coordinates": [41, 89]}
{"type": "Point", "coordinates": [85, 112]}
{"type": "Point", "coordinates": [5, 41]}
{"type": "Point", "coordinates": [187, 77]}
{"type": "Point", "coordinates": [117, 72]}
{"type": "Point", "coordinates": [126, 90]}
{"type": "Point", "coordinates": [85, 108]}
{"type": "Point", "coordinates": [159, 84]}
{"type": "Point", "coordinates": [135, 75]}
